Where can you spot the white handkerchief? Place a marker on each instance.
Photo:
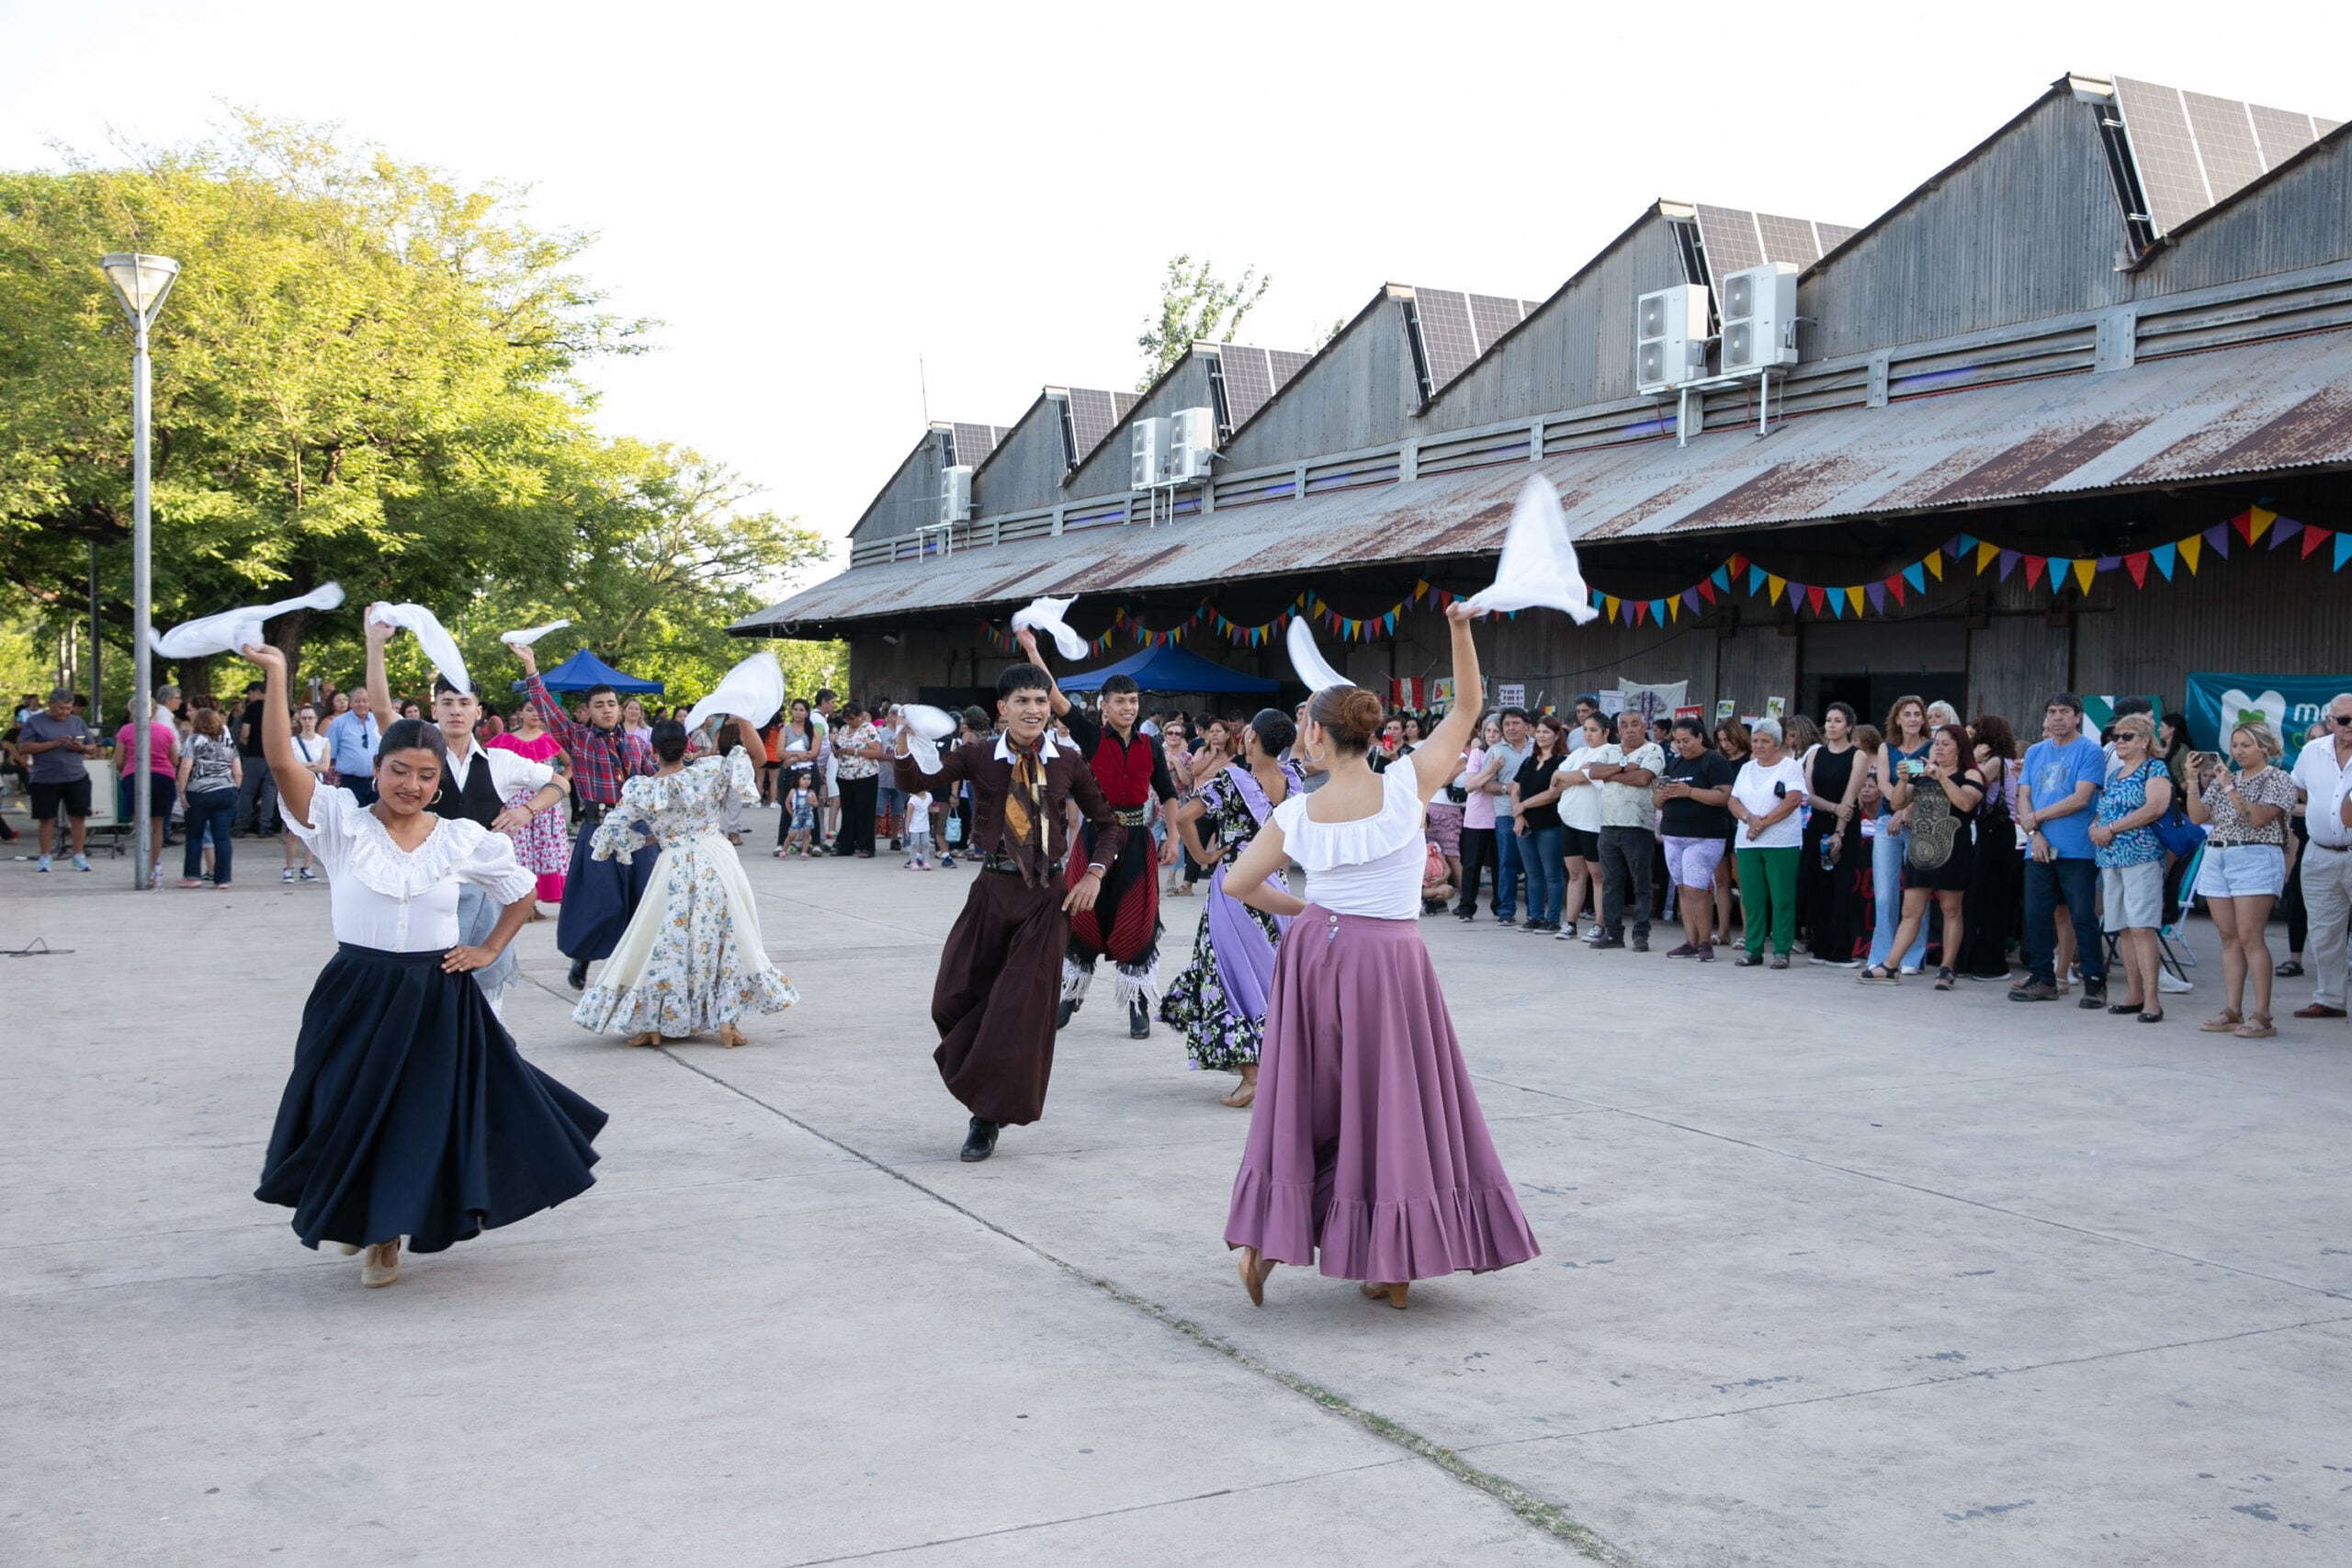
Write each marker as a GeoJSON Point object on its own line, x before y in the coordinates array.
{"type": "Point", "coordinates": [1307, 659]}
{"type": "Point", "coordinates": [752, 691]}
{"type": "Point", "coordinates": [926, 728]}
{"type": "Point", "coordinates": [1047, 615]}
{"type": "Point", "coordinates": [234, 629]}
{"type": "Point", "coordinates": [438, 645]}
{"type": "Point", "coordinates": [1539, 565]}
{"type": "Point", "coordinates": [530, 635]}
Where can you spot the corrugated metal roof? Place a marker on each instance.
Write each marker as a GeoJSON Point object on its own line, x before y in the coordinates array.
{"type": "Point", "coordinates": [2254, 408]}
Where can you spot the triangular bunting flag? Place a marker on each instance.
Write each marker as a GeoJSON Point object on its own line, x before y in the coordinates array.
{"type": "Point", "coordinates": [2243, 524]}
{"type": "Point", "coordinates": [1813, 597]}
{"type": "Point", "coordinates": [1641, 611]}
{"type": "Point", "coordinates": [1935, 563]}
{"type": "Point", "coordinates": [2218, 535]}
{"type": "Point", "coordinates": [2286, 529]}
{"type": "Point", "coordinates": [1609, 605]}
{"type": "Point", "coordinates": [1690, 599]}
{"type": "Point", "coordinates": [1837, 603]}
{"type": "Point", "coordinates": [1776, 584]}
{"type": "Point", "coordinates": [2108, 563]}
{"type": "Point", "coordinates": [2137, 564]}
{"type": "Point", "coordinates": [1917, 579]}
{"type": "Point", "coordinates": [1877, 592]}
{"type": "Point", "coordinates": [1657, 610]}
{"type": "Point", "coordinates": [2257, 519]}
{"type": "Point", "coordinates": [2343, 549]}
{"type": "Point", "coordinates": [1962, 544]}
{"type": "Point", "coordinates": [2009, 559]}
{"type": "Point", "coordinates": [1721, 578]}
{"type": "Point", "coordinates": [2033, 565]}
{"type": "Point", "coordinates": [1895, 586]}
{"type": "Point", "coordinates": [2058, 567]}
{"type": "Point", "coordinates": [2162, 555]}
{"type": "Point", "coordinates": [1707, 589]}
{"type": "Point", "coordinates": [1984, 554]}
{"type": "Point", "coordinates": [2083, 571]}
{"type": "Point", "coordinates": [1854, 599]}
{"type": "Point", "coordinates": [2313, 539]}
{"type": "Point", "coordinates": [2189, 552]}
{"type": "Point", "coordinates": [1756, 577]}
{"type": "Point", "coordinates": [1738, 563]}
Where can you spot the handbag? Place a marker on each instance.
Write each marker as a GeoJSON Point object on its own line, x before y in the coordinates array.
{"type": "Point", "coordinates": [2179, 836]}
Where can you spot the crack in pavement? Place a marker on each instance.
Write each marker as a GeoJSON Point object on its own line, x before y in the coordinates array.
{"type": "Point", "coordinates": [1947, 1378]}
{"type": "Point", "coordinates": [1958, 1197]}
{"type": "Point", "coordinates": [1546, 1518]}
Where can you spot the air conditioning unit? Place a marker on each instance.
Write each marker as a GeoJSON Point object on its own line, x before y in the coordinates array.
{"type": "Point", "coordinates": [1146, 453]}
{"type": "Point", "coordinates": [1759, 309]}
{"type": "Point", "coordinates": [1192, 442]}
{"type": "Point", "coordinates": [1670, 338]}
{"type": "Point", "coordinates": [955, 495]}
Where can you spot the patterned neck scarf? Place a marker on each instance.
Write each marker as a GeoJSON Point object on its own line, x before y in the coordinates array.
{"type": "Point", "coordinates": [1024, 808]}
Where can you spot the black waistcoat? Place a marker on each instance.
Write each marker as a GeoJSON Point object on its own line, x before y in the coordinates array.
{"type": "Point", "coordinates": [477, 801]}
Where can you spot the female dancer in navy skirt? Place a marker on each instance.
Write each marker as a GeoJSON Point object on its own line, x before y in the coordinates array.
{"type": "Point", "coordinates": [1367, 1145]}
{"type": "Point", "coordinates": [408, 1112]}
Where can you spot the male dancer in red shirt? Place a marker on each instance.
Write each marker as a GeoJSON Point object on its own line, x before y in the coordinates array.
{"type": "Point", "coordinates": [1125, 922]}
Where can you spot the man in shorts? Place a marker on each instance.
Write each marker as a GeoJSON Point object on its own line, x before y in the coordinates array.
{"type": "Point", "coordinates": [53, 744]}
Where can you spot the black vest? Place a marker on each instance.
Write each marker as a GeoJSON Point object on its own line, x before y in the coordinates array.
{"type": "Point", "coordinates": [477, 801]}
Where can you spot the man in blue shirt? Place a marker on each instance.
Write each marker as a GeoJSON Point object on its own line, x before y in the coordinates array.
{"type": "Point", "coordinates": [351, 747]}
{"type": "Point", "coordinates": [2057, 797]}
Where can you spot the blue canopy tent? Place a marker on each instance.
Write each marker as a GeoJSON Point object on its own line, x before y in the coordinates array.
{"type": "Point", "coordinates": [585, 669]}
{"type": "Point", "coordinates": [1169, 669]}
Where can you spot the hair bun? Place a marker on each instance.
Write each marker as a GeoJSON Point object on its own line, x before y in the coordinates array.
{"type": "Point", "coordinates": [1349, 715]}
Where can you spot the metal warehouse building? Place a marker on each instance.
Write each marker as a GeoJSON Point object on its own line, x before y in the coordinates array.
{"type": "Point", "coordinates": [2076, 413]}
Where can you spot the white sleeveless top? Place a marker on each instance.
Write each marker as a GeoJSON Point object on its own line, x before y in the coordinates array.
{"type": "Point", "coordinates": [1371, 865]}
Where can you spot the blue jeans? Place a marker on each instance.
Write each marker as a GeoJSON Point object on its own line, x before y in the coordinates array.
{"type": "Point", "coordinates": [209, 810]}
{"type": "Point", "coordinates": [1507, 869]}
{"type": "Point", "coordinates": [2075, 882]}
{"type": "Point", "coordinates": [1886, 887]}
{"type": "Point", "coordinates": [1547, 874]}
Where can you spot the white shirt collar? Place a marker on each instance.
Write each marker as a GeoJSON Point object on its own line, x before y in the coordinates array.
{"type": "Point", "coordinates": [1047, 749]}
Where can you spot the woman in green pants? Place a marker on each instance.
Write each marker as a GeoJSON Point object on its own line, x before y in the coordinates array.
{"type": "Point", "coordinates": [1764, 799]}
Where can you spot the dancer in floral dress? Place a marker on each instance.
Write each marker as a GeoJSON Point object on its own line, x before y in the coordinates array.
{"type": "Point", "coordinates": [691, 958]}
{"type": "Point", "coordinates": [544, 843]}
{"type": "Point", "coordinates": [1219, 1002]}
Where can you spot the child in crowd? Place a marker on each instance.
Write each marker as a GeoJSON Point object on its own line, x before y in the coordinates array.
{"type": "Point", "coordinates": [802, 804]}
{"type": "Point", "coordinates": [918, 830]}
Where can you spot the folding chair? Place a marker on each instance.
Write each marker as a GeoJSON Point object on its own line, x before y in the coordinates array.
{"type": "Point", "coordinates": [2181, 958]}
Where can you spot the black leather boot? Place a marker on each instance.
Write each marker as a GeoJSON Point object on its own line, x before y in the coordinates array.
{"type": "Point", "coordinates": [578, 974]}
{"type": "Point", "coordinates": [981, 1142]}
{"type": "Point", "coordinates": [1062, 1015]}
{"type": "Point", "coordinates": [1139, 1021]}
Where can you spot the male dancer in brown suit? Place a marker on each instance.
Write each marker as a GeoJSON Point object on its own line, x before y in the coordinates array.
{"type": "Point", "coordinates": [1000, 973]}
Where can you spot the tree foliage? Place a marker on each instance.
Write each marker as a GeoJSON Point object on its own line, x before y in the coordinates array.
{"type": "Point", "coordinates": [367, 373]}
{"type": "Point", "coordinates": [1196, 305]}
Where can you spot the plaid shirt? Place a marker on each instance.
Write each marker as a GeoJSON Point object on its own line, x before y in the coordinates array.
{"type": "Point", "coordinates": [598, 771]}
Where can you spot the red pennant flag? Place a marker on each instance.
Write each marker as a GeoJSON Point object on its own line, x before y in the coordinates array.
{"type": "Point", "coordinates": [1641, 611]}
{"type": "Point", "coordinates": [1894, 586]}
{"type": "Point", "coordinates": [2136, 563]}
{"type": "Point", "coordinates": [1814, 596]}
{"type": "Point", "coordinates": [2243, 524]}
{"type": "Point", "coordinates": [1738, 564]}
{"type": "Point", "coordinates": [1707, 588]}
{"type": "Point", "coordinates": [2313, 539]}
{"type": "Point", "coordinates": [2033, 565]}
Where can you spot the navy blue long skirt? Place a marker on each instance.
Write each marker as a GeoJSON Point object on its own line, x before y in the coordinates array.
{"type": "Point", "coordinates": [410, 1112]}
{"type": "Point", "coordinates": [599, 898]}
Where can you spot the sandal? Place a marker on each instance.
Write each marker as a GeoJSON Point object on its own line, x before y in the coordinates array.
{"type": "Point", "coordinates": [1943, 978]}
{"type": "Point", "coordinates": [2227, 1022]}
{"type": "Point", "coordinates": [2290, 970]}
{"type": "Point", "coordinates": [1879, 975]}
{"type": "Point", "coordinates": [1243, 1093]}
{"type": "Point", "coordinates": [2257, 1026]}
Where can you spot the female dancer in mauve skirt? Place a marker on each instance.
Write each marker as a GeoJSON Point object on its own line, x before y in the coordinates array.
{"type": "Point", "coordinates": [408, 1112]}
{"type": "Point", "coordinates": [1367, 1145]}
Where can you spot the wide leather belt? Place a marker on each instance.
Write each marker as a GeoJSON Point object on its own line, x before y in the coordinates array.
{"type": "Point", "coordinates": [1005, 864]}
{"type": "Point", "coordinates": [1133, 816]}
{"type": "Point", "coordinates": [590, 813]}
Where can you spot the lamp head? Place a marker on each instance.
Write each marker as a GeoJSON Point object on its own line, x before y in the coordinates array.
{"type": "Point", "coordinates": [139, 282]}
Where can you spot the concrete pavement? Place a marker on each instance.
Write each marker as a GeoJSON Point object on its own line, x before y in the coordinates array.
{"type": "Point", "coordinates": [1832, 1275]}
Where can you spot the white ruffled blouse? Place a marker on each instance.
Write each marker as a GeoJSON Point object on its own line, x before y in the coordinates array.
{"type": "Point", "coordinates": [1368, 865]}
{"type": "Point", "coordinates": [400, 900]}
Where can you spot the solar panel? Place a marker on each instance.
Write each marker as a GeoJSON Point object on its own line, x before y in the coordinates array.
{"type": "Point", "coordinates": [1092, 412]}
{"type": "Point", "coordinates": [2165, 147]}
{"type": "Point", "coordinates": [2280, 133]}
{"type": "Point", "coordinates": [1728, 236]}
{"type": "Point", "coordinates": [1491, 316]}
{"type": "Point", "coordinates": [1121, 403]}
{"type": "Point", "coordinates": [1834, 235]}
{"type": "Point", "coordinates": [975, 442]}
{"type": "Point", "coordinates": [1446, 333]}
{"type": "Point", "coordinates": [1788, 239]}
{"type": "Point", "coordinates": [1285, 363]}
{"type": "Point", "coordinates": [2224, 142]}
{"type": "Point", "coordinates": [1248, 380]}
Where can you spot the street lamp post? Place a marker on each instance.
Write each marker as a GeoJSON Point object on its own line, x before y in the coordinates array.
{"type": "Point", "coordinates": [139, 283]}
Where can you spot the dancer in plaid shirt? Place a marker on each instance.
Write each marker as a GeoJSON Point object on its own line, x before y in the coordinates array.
{"type": "Point", "coordinates": [599, 896]}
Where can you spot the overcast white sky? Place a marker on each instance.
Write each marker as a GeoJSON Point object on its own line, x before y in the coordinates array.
{"type": "Point", "coordinates": [810, 199]}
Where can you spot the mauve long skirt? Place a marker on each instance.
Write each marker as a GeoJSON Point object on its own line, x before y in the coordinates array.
{"type": "Point", "coordinates": [1366, 1143]}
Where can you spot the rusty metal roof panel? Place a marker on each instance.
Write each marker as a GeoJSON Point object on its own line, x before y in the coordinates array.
{"type": "Point", "coordinates": [2255, 408]}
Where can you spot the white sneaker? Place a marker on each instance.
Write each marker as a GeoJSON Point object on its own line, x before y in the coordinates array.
{"type": "Point", "coordinates": [81, 863]}
{"type": "Point", "coordinates": [1567, 931]}
{"type": "Point", "coordinates": [1911, 969]}
{"type": "Point", "coordinates": [2173, 984]}
{"type": "Point", "coordinates": [42, 865]}
{"type": "Point", "coordinates": [287, 875]}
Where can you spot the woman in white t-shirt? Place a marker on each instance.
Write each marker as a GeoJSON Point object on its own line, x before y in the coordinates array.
{"type": "Point", "coordinates": [1764, 800]}
{"type": "Point", "coordinates": [1580, 815]}
{"type": "Point", "coordinates": [1365, 1113]}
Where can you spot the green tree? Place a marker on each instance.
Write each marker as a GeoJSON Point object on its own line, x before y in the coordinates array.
{"type": "Point", "coordinates": [1196, 305]}
{"type": "Point", "coordinates": [365, 374]}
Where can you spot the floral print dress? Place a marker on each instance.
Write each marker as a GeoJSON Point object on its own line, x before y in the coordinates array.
{"type": "Point", "coordinates": [1218, 1036]}
{"type": "Point", "coordinates": [691, 958]}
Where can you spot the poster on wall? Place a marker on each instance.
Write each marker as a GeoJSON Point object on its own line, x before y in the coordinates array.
{"type": "Point", "coordinates": [1724, 708]}
{"type": "Point", "coordinates": [1650, 700]}
{"type": "Point", "coordinates": [1511, 693]}
{"type": "Point", "coordinates": [2291, 704]}
{"type": "Point", "coordinates": [1776, 707]}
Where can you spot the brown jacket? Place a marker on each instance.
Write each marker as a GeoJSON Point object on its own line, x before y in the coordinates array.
{"type": "Point", "coordinates": [1067, 777]}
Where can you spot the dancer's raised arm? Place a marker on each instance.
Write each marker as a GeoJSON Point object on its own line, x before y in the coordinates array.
{"type": "Point", "coordinates": [295, 781]}
{"type": "Point", "coordinates": [1439, 758]}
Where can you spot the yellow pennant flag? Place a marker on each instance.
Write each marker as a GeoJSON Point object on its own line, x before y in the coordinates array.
{"type": "Point", "coordinates": [1854, 598]}
{"type": "Point", "coordinates": [1608, 603]}
{"type": "Point", "coordinates": [1776, 584]}
{"type": "Point", "coordinates": [1674, 607]}
{"type": "Point", "coordinates": [2259, 522]}
{"type": "Point", "coordinates": [2188, 548]}
{"type": "Point", "coordinates": [2083, 571]}
{"type": "Point", "coordinates": [1984, 554]}
{"type": "Point", "coordinates": [1935, 564]}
